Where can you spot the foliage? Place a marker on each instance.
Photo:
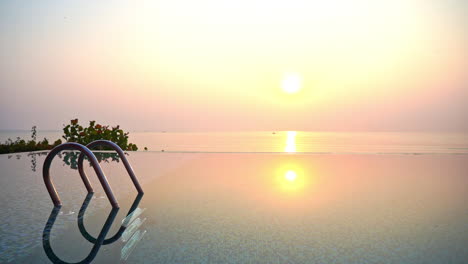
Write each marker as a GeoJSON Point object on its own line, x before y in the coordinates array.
{"type": "Point", "coordinates": [21, 145]}
{"type": "Point", "coordinates": [74, 132]}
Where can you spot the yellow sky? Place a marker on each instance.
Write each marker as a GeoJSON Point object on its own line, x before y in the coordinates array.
{"type": "Point", "coordinates": [214, 65]}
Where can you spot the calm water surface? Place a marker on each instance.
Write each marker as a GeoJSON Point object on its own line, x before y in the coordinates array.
{"type": "Point", "coordinates": [243, 208]}
{"type": "Point", "coordinates": [287, 197]}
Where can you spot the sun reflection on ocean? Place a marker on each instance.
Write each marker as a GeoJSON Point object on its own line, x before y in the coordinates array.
{"type": "Point", "coordinates": [290, 141]}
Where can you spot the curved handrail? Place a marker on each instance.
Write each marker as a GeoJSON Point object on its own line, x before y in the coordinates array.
{"type": "Point", "coordinates": [115, 237]}
{"type": "Point", "coordinates": [121, 154]}
{"type": "Point", "coordinates": [84, 151]}
{"type": "Point", "coordinates": [97, 245]}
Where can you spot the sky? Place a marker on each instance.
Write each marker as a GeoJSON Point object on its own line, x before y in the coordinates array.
{"type": "Point", "coordinates": [218, 65]}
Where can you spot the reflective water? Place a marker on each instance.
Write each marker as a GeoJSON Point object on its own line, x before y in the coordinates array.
{"type": "Point", "coordinates": [241, 208]}
{"type": "Point", "coordinates": [287, 141]}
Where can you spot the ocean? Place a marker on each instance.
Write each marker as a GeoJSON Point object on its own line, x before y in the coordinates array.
{"type": "Point", "coordinates": [285, 142]}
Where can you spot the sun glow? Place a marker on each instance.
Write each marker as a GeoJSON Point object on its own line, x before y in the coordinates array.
{"type": "Point", "coordinates": [291, 83]}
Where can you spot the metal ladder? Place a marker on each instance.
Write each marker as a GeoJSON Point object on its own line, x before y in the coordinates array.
{"type": "Point", "coordinates": [85, 151]}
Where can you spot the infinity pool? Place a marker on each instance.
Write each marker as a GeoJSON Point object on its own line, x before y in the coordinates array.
{"type": "Point", "coordinates": [239, 208]}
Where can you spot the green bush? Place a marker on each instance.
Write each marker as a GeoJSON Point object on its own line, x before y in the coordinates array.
{"type": "Point", "coordinates": [21, 145]}
{"type": "Point", "coordinates": [74, 132]}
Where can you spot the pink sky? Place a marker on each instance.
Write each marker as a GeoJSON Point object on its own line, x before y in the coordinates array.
{"type": "Point", "coordinates": [219, 65]}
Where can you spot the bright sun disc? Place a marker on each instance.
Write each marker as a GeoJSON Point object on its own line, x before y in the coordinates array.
{"type": "Point", "coordinates": [290, 175]}
{"type": "Point", "coordinates": [291, 83]}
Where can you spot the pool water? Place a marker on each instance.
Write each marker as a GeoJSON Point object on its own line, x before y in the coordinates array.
{"type": "Point", "coordinates": [239, 208]}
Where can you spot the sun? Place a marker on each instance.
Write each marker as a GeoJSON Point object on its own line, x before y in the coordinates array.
{"type": "Point", "coordinates": [291, 83]}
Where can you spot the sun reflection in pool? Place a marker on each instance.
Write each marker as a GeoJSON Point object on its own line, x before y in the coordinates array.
{"type": "Point", "coordinates": [290, 175]}
{"type": "Point", "coordinates": [291, 178]}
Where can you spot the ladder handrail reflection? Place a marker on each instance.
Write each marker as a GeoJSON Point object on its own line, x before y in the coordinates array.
{"type": "Point", "coordinates": [97, 245]}
{"type": "Point", "coordinates": [119, 233]}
